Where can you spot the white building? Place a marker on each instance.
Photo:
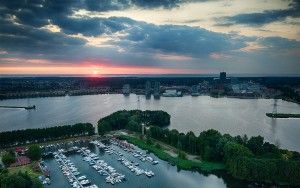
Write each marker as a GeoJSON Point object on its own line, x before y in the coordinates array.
{"type": "Point", "coordinates": [172, 93]}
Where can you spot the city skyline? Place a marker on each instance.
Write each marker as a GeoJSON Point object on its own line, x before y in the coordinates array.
{"type": "Point", "coordinates": [94, 37]}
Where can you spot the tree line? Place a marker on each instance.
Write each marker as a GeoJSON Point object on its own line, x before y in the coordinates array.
{"type": "Point", "coordinates": [19, 137]}
{"type": "Point", "coordinates": [245, 158]}
{"type": "Point", "coordinates": [249, 159]}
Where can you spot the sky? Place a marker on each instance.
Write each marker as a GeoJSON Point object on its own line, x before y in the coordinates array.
{"type": "Point", "coordinates": [99, 37]}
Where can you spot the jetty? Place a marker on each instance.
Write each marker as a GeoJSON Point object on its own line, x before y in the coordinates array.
{"type": "Point", "coordinates": [282, 115]}
{"type": "Point", "coordinates": [25, 107]}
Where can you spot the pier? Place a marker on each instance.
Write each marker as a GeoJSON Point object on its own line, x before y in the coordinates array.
{"type": "Point", "coordinates": [65, 165]}
{"type": "Point", "coordinates": [282, 115]}
{"type": "Point", "coordinates": [25, 107]}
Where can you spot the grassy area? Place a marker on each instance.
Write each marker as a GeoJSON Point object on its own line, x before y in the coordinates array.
{"type": "Point", "coordinates": [180, 163]}
{"type": "Point", "coordinates": [31, 169]}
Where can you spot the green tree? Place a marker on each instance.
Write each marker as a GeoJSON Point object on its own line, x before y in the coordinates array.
{"type": "Point", "coordinates": [34, 152]}
{"type": "Point", "coordinates": [8, 158]}
{"type": "Point", "coordinates": [18, 180]}
{"type": "Point", "coordinates": [181, 155]}
{"type": "Point", "coordinates": [255, 144]}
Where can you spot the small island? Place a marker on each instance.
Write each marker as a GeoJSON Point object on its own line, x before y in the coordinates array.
{"type": "Point", "coordinates": [282, 115]}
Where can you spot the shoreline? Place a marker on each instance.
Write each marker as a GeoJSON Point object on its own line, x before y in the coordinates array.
{"type": "Point", "coordinates": [139, 94]}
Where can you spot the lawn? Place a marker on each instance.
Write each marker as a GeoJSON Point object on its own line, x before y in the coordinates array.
{"type": "Point", "coordinates": [30, 169]}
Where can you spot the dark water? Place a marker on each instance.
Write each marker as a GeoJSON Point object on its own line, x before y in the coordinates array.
{"type": "Point", "coordinates": [227, 115]}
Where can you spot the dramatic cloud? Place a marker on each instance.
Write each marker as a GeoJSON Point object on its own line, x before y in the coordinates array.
{"type": "Point", "coordinates": [264, 17]}
{"type": "Point", "coordinates": [81, 32]}
{"type": "Point", "coordinates": [195, 42]}
{"type": "Point", "coordinates": [106, 5]}
{"type": "Point", "coordinates": [279, 43]}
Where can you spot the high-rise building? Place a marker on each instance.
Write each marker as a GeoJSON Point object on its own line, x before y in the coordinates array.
{"type": "Point", "coordinates": [148, 89]}
{"type": "Point", "coordinates": [222, 76]}
{"type": "Point", "coordinates": [156, 92]}
{"type": "Point", "coordinates": [126, 89]}
{"type": "Point", "coordinates": [195, 90]}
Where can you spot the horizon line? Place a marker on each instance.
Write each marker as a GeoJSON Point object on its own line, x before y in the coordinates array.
{"type": "Point", "coordinates": [148, 75]}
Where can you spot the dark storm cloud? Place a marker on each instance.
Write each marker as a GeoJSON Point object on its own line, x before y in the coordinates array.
{"type": "Point", "coordinates": [106, 5]}
{"type": "Point", "coordinates": [182, 40]}
{"type": "Point", "coordinates": [92, 26]}
{"type": "Point", "coordinates": [279, 43]}
{"type": "Point", "coordinates": [38, 13]}
{"type": "Point", "coordinates": [262, 18]}
{"type": "Point", "coordinates": [140, 36]}
{"type": "Point", "coordinates": [27, 40]}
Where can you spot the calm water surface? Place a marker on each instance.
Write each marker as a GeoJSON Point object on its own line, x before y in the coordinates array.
{"type": "Point", "coordinates": [227, 115]}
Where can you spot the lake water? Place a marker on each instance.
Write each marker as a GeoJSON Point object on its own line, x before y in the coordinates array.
{"type": "Point", "coordinates": [227, 115]}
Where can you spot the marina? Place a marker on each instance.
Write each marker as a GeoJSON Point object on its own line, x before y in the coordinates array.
{"type": "Point", "coordinates": [112, 176]}
{"type": "Point", "coordinates": [71, 172]}
{"type": "Point", "coordinates": [132, 166]}
{"type": "Point", "coordinates": [65, 153]}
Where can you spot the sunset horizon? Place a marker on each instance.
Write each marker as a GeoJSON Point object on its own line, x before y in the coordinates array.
{"type": "Point", "coordinates": [149, 93]}
{"type": "Point", "coordinates": [93, 37]}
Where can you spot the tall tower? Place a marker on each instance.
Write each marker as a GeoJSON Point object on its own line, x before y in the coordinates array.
{"type": "Point", "coordinates": [139, 108]}
{"type": "Point", "coordinates": [275, 106]}
{"type": "Point", "coordinates": [222, 76]}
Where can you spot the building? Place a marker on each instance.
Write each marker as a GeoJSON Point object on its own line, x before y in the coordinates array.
{"type": "Point", "coordinates": [247, 88]}
{"type": "Point", "coordinates": [195, 90]}
{"type": "Point", "coordinates": [156, 92]}
{"type": "Point", "coordinates": [126, 89]}
{"type": "Point", "coordinates": [172, 93]}
{"type": "Point", "coordinates": [148, 89]}
{"type": "Point", "coordinates": [223, 77]}
{"type": "Point", "coordinates": [20, 161]}
{"type": "Point", "coordinates": [221, 81]}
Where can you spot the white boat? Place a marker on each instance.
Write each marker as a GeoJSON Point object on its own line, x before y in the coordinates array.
{"type": "Point", "coordinates": [84, 182]}
{"type": "Point", "coordinates": [81, 178]}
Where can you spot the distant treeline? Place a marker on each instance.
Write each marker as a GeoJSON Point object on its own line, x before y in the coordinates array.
{"type": "Point", "coordinates": [131, 120]}
{"type": "Point", "coordinates": [248, 159]}
{"type": "Point", "coordinates": [18, 137]}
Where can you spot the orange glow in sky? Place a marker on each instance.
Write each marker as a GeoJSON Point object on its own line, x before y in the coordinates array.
{"type": "Point", "coordinates": [93, 70]}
